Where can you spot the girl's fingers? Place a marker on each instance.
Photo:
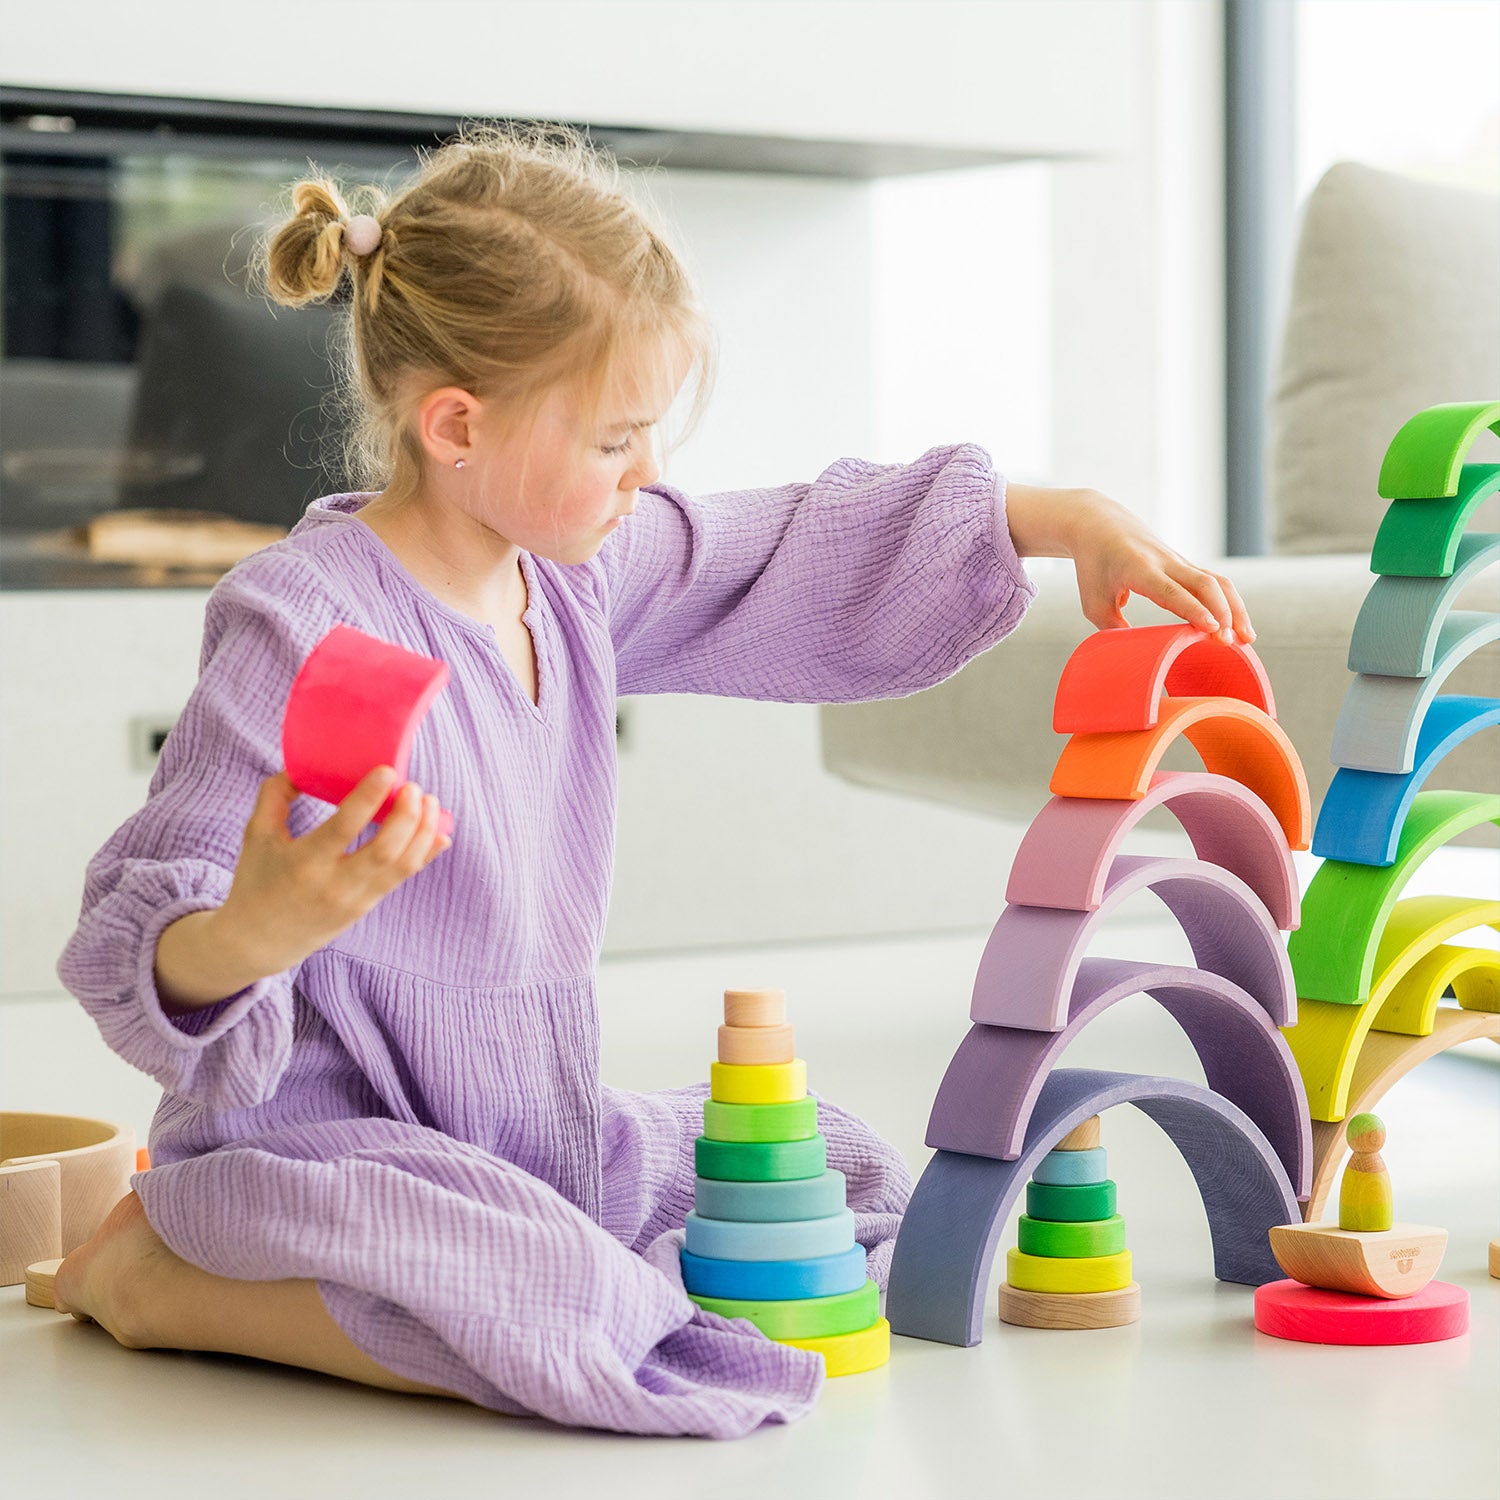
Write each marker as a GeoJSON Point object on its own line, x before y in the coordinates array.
{"type": "Point", "coordinates": [419, 846]}
{"type": "Point", "coordinates": [1242, 626]}
{"type": "Point", "coordinates": [273, 803]}
{"type": "Point", "coordinates": [356, 810]}
{"type": "Point", "coordinates": [1167, 592]}
{"type": "Point", "coordinates": [387, 850]}
{"type": "Point", "coordinates": [1209, 592]}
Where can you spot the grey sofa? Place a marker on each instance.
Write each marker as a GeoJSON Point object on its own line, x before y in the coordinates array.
{"type": "Point", "coordinates": [1394, 306]}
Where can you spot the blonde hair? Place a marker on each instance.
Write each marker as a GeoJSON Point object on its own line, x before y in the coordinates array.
{"type": "Point", "coordinates": [512, 264]}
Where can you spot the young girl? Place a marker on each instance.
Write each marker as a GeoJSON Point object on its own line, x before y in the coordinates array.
{"type": "Point", "coordinates": [384, 1150]}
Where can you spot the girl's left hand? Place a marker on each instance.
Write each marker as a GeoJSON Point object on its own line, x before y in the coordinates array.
{"type": "Point", "coordinates": [1117, 556]}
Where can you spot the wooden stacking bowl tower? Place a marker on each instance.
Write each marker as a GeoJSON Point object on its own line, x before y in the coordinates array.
{"type": "Point", "coordinates": [59, 1177]}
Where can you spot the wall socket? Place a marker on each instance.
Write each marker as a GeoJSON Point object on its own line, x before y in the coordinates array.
{"type": "Point", "coordinates": [148, 733]}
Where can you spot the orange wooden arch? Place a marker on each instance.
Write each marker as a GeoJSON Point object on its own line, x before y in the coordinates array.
{"type": "Point", "coordinates": [1234, 739]}
{"type": "Point", "coordinates": [1116, 678]}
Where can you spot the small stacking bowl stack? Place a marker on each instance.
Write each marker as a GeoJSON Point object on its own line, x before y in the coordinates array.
{"type": "Point", "coordinates": [1071, 1268]}
{"type": "Point", "coordinates": [771, 1235]}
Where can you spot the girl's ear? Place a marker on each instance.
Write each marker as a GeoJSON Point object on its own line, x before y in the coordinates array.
{"type": "Point", "coordinates": [446, 422]}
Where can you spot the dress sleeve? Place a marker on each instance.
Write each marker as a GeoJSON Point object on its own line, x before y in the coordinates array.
{"type": "Point", "coordinates": [177, 854]}
{"type": "Point", "coordinates": [873, 581]}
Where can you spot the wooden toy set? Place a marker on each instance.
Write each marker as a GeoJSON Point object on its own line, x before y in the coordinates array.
{"type": "Point", "coordinates": [1298, 1039]}
{"type": "Point", "coordinates": [770, 1236]}
{"type": "Point", "coordinates": [1288, 1032]}
{"type": "Point", "coordinates": [1070, 1267]}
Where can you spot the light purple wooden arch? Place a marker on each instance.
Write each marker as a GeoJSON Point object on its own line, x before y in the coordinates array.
{"type": "Point", "coordinates": [1066, 853]}
{"type": "Point", "coordinates": [951, 1228]}
{"type": "Point", "coordinates": [1031, 960]}
{"type": "Point", "coordinates": [987, 1096]}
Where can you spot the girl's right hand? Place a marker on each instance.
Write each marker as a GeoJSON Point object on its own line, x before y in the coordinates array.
{"type": "Point", "coordinates": [291, 896]}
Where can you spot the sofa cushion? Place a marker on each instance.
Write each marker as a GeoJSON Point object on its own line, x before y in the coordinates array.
{"type": "Point", "coordinates": [1394, 305]}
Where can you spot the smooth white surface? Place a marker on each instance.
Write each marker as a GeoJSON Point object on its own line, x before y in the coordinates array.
{"type": "Point", "coordinates": [886, 70]}
{"type": "Point", "coordinates": [1190, 1401]}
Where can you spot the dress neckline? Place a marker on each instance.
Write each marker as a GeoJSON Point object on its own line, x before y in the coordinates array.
{"type": "Point", "coordinates": [346, 508]}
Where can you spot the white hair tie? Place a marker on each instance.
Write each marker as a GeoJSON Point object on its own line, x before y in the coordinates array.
{"type": "Point", "coordinates": [362, 234]}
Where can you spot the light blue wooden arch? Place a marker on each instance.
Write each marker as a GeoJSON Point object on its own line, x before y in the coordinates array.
{"type": "Point", "coordinates": [1363, 812]}
{"type": "Point", "coordinates": [1396, 633]}
{"type": "Point", "coordinates": [1378, 725]}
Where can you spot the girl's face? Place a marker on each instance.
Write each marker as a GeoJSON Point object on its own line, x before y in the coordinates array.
{"type": "Point", "coordinates": [560, 490]}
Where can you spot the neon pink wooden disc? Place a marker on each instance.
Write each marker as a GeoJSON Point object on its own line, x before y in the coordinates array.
{"type": "Point", "coordinates": [356, 704]}
{"type": "Point", "coordinates": [1312, 1315]}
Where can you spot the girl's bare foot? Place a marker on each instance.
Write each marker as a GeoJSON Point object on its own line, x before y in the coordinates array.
{"type": "Point", "coordinates": [129, 1282]}
{"type": "Point", "coordinates": [107, 1281]}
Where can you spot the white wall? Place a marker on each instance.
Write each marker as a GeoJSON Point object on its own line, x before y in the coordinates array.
{"type": "Point", "coordinates": [1065, 317]}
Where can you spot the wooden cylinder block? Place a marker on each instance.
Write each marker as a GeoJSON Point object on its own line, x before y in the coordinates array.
{"type": "Point", "coordinates": [793, 1121]}
{"type": "Point", "coordinates": [851, 1353]}
{"type": "Point", "coordinates": [41, 1279]}
{"type": "Point", "coordinates": [94, 1159]}
{"type": "Point", "coordinates": [1071, 1205]}
{"type": "Point", "coordinates": [1083, 1137]}
{"type": "Point", "coordinates": [30, 1218]}
{"type": "Point", "coordinates": [1089, 1273]}
{"type": "Point", "coordinates": [803, 1317]}
{"type": "Point", "coordinates": [765, 1083]}
{"type": "Point", "coordinates": [754, 1007]}
{"type": "Point", "coordinates": [1070, 1310]}
{"type": "Point", "coordinates": [748, 1046]}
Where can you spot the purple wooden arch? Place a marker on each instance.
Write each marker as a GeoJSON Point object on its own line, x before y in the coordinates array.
{"type": "Point", "coordinates": [1066, 855]}
{"type": "Point", "coordinates": [990, 1090]}
{"type": "Point", "coordinates": [941, 1265]}
{"type": "Point", "coordinates": [1026, 974]}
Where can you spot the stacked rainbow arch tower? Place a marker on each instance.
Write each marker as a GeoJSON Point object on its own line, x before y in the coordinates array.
{"type": "Point", "coordinates": [1373, 966]}
{"type": "Point", "coordinates": [771, 1237]}
{"type": "Point", "coordinates": [1291, 1036]}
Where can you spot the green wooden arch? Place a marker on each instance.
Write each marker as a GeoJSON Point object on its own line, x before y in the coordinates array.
{"type": "Point", "coordinates": [1423, 460]}
{"type": "Point", "coordinates": [1346, 906]}
{"type": "Point", "coordinates": [1419, 538]}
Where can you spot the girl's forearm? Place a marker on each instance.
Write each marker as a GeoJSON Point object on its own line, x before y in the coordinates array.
{"type": "Point", "coordinates": [198, 964]}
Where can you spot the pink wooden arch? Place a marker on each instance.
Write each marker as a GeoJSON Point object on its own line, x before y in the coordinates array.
{"type": "Point", "coordinates": [1065, 856]}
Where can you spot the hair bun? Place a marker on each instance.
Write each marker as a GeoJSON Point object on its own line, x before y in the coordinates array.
{"type": "Point", "coordinates": [305, 257]}
{"type": "Point", "coordinates": [362, 234]}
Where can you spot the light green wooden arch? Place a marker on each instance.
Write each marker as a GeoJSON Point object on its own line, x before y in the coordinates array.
{"type": "Point", "coordinates": [1414, 966]}
{"type": "Point", "coordinates": [1346, 905]}
{"type": "Point", "coordinates": [1419, 538]}
{"type": "Point", "coordinates": [1424, 457]}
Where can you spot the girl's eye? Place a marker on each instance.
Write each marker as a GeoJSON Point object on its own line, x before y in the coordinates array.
{"type": "Point", "coordinates": [619, 448]}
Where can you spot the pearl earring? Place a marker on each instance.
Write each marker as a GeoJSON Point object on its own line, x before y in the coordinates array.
{"type": "Point", "coordinates": [458, 463]}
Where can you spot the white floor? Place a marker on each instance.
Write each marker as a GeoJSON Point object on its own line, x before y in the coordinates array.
{"type": "Point", "coordinates": [1191, 1401]}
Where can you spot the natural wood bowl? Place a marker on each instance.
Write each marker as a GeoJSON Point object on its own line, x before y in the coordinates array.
{"type": "Point", "coordinates": [1394, 1262]}
{"type": "Point", "coordinates": [59, 1177]}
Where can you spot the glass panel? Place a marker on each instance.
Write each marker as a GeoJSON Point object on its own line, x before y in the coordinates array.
{"type": "Point", "coordinates": [140, 369]}
{"type": "Point", "coordinates": [1409, 85]}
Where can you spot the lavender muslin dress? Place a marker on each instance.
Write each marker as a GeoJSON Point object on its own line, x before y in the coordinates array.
{"type": "Point", "coordinates": [414, 1116]}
